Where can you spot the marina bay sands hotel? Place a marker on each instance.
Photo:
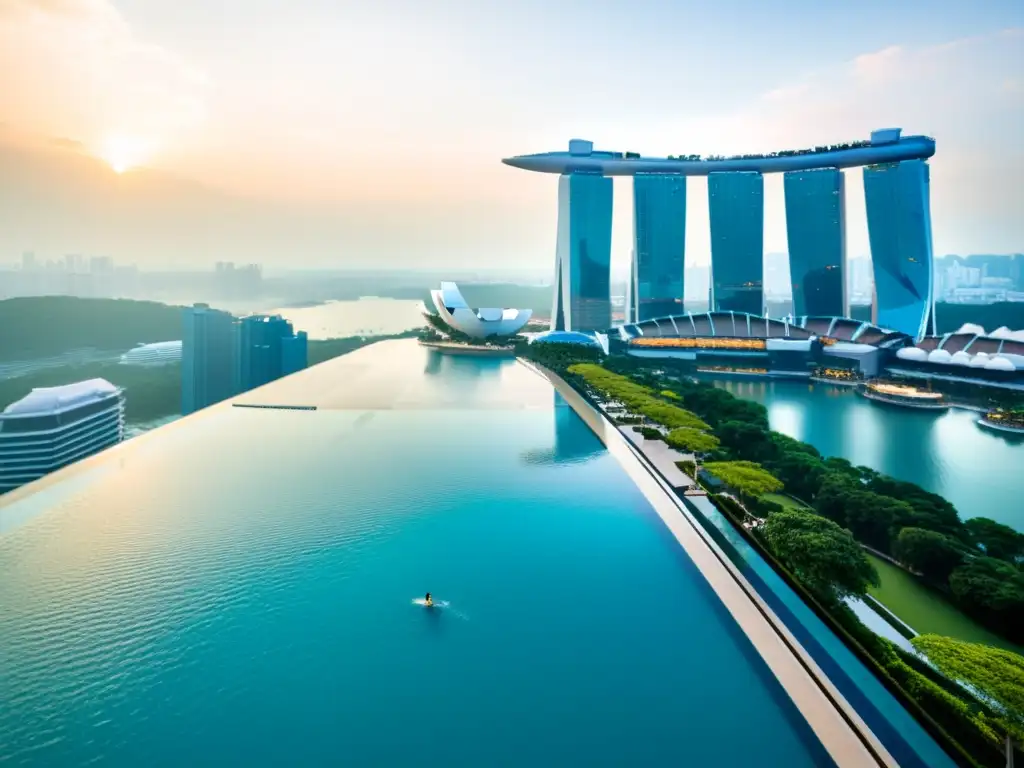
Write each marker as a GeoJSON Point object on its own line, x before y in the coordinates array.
{"type": "Point", "coordinates": [896, 189]}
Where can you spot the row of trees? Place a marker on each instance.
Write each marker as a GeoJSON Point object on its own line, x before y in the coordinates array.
{"type": "Point", "coordinates": [977, 563]}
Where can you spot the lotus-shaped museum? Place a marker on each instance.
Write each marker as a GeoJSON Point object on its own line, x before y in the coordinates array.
{"type": "Point", "coordinates": [478, 323]}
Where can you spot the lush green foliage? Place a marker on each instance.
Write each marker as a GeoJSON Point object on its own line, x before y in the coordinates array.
{"type": "Point", "coordinates": [929, 553]}
{"type": "Point", "coordinates": [691, 440]}
{"type": "Point", "coordinates": [745, 477]}
{"type": "Point", "coordinates": [995, 673]}
{"type": "Point", "coordinates": [993, 592]}
{"type": "Point", "coordinates": [45, 326]}
{"type": "Point", "coordinates": [650, 433]}
{"type": "Point", "coordinates": [826, 558]}
{"type": "Point", "coordinates": [998, 540]}
{"type": "Point", "coordinates": [669, 394]}
{"type": "Point", "coordinates": [688, 468]}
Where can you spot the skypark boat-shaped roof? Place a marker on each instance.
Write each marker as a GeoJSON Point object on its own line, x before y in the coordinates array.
{"type": "Point", "coordinates": [885, 146]}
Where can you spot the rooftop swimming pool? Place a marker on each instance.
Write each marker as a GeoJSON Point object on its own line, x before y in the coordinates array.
{"type": "Point", "coordinates": [237, 589]}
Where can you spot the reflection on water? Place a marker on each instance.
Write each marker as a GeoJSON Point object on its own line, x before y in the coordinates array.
{"type": "Point", "coordinates": [365, 317]}
{"type": "Point", "coordinates": [942, 451]}
{"type": "Point", "coordinates": [573, 440]}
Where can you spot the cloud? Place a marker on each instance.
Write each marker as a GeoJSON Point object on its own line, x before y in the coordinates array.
{"type": "Point", "coordinates": [76, 68]}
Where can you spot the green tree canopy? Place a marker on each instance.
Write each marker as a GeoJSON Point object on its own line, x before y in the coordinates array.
{"type": "Point", "coordinates": [999, 541]}
{"type": "Point", "coordinates": [823, 556]}
{"type": "Point", "coordinates": [691, 440]}
{"type": "Point", "coordinates": [930, 553]}
{"type": "Point", "coordinates": [745, 477]}
{"type": "Point", "coordinates": [993, 590]}
{"type": "Point", "coordinates": [993, 672]}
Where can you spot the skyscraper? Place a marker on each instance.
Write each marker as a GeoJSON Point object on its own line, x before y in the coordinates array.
{"type": "Point", "coordinates": [268, 350]}
{"type": "Point", "coordinates": [816, 230]}
{"type": "Point", "coordinates": [659, 244]}
{"type": "Point", "coordinates": [900, 232]}
{"type": "Point", "coordinates": [736, 207]}
{"type": "Point", "coordinates": [583, 255]}
{"type": "Point", "coordinates": [209, 357]}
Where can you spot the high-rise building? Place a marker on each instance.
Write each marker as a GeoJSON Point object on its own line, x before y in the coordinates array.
{"type": "Point", "coordinates": [583, 256]}
{"type": "Point", "coordinates": [268, 350]}
{"type": "Point", "coordinates": [816, 231]}
{"type": "Point", "coordinates": [659, 244]}
{"type": "Point", "coordinates": [209, 357]}
{"type": "Point", "coordinates": [53, 427]}
{"type": "Point", "coordinates": [900, 232]}
{"type": "Point", "coordinates": [736, 207]}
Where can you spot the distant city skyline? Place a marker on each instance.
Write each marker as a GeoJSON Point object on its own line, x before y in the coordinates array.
{"type": "Point", "coordinates": [159, 132]}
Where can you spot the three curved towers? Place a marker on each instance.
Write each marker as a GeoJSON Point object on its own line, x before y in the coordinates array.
{"type": "Point", "coordinates": [896, 188]}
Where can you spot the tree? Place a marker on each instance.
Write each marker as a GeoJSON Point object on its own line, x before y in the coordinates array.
{"type": "Point", "coordinates": [746, 441]}
{"type": "Point", "coordinates": [800, 472]}
{"type": "Point", "coordinates": [691, 440]}
{"type": "Point", "coordinates": [744, 477]}
{"type": "Point", "coordinates": [995, 673]}
{"type": "Point", "coordinates": [930, 553]}
{"type": "Point", "coordinates": [993, 591]}
{"type": "Point", "coordinates": [998, 540]}
{"type": "Point", "coordinates": [823, 556]}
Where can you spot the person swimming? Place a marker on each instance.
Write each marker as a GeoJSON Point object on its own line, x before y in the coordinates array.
{"type": "Point", "coordinates": [428, 601]}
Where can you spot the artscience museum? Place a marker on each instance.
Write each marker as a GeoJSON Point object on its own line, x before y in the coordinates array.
{"type": "Point", "coordinates": [453, 309]}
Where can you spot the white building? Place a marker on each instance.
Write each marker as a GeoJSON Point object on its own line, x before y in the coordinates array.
{"type": "Point", "coordinates": [52, 427]}
{"type": "Point", "coordinates": [157, 353]}
{"type": "Point", "coordinates": [478, 323]}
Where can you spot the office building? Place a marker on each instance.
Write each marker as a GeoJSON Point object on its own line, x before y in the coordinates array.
{"type": "Point", "coordinates": [582, 300]}
{"type": "Point", "coordinates": [736, 207]}
{"type": "Point", "coordinates": [209, 357]}
{"type": "Point", "coordinates": [268, 349]}
{"type": "Point", "coordinates": [53, 427]}
{"type": "Point", "coordinates": [816, 231]}
{"type": "Point", "coordinates": [897, 196]}
{"type": "Point", "coordinates": [659, 245]}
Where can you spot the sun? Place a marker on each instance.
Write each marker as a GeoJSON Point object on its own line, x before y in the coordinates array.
{"type": "Point", "coordinates": [123, 153]}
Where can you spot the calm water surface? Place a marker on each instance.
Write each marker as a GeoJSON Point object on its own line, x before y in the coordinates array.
{"type": "Point", "coordinates": [945, 452]}
{"type": "Point", "coordinates": [365, 317]}
{"type": "Point", "coordinates": [236, 589]}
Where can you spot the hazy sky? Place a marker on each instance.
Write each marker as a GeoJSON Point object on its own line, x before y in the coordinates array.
{"type": "Point", "coordinates": [336, 132]}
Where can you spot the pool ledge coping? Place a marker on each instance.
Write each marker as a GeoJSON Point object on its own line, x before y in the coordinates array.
{"type": "Point", "coordinates": [837, 725]}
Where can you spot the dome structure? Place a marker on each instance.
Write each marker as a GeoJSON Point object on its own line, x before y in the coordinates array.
{"type": "Point", "coordinates": [1000, 363]}
{"type": "Point", "coordinates": [477, 323]}
{"type": "Point", "coordinates": [960, 358]}
{"type": "Point", "coordinates": [157, 353]}
{"type": "Point", "coordinates": [913, 354]}
{"type": "Point", "coordinates": [939, 356]}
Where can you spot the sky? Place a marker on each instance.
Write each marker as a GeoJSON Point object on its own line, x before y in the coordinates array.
{"type": "Point", "coordinates": [339, 133]}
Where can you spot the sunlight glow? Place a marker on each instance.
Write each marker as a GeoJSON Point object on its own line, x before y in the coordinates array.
{"type": "Point", "coordinates": [123, 153]}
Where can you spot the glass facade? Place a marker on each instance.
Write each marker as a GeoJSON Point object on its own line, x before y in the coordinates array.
{"type": "Point", "coordinates": [268, 350]}
{"type": "Point", "coordinates": [659, 246]}
{"type": "Point", "coordinates": [900, 232]}
{"type": "Point", "coordinates": [816, 231]}
{"type": "Point", "coordinates": [736, 207]}
{"type": "Point", "coordinates": [583, 255]}
{"type": "Point", "coordinates": [209, 357]}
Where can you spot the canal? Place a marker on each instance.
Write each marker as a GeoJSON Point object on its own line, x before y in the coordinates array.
{"type": "Point", "coordinates": [945, 452]}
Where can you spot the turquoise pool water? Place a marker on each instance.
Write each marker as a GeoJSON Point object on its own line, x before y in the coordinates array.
{"type": "Point", "coordinates": [238, 591]}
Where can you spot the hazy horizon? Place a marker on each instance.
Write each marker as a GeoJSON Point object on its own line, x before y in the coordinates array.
{"type": "Point", "coordinates": [334, 136]}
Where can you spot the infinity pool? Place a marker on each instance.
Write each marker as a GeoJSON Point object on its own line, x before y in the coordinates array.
{"type": "Point", "coordinates": [237, 589]}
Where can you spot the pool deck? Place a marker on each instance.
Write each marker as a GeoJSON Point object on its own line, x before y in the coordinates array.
{"type": "Point", "coordinates": [837, 725]}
